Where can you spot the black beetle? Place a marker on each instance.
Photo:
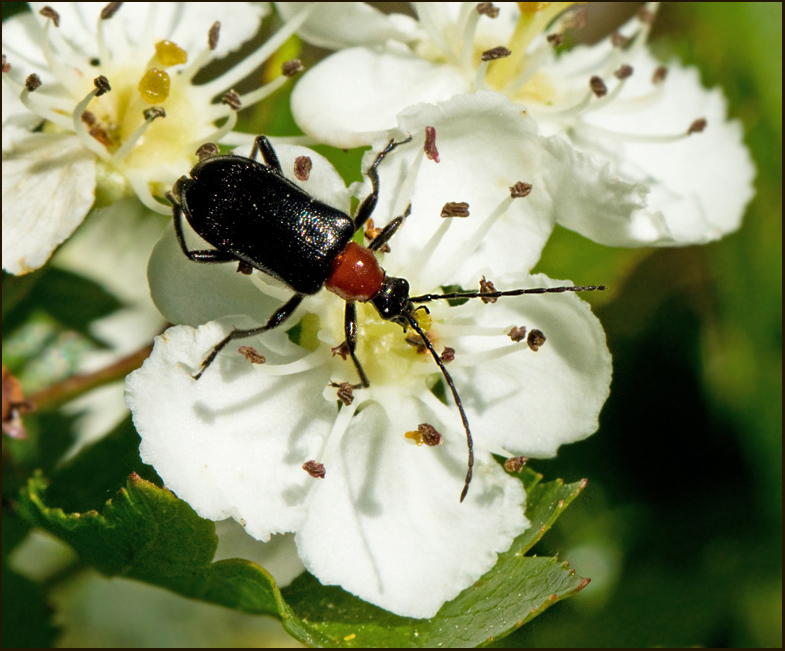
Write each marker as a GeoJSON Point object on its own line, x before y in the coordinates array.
{"type": "Point", "coordinates": [253, 215]}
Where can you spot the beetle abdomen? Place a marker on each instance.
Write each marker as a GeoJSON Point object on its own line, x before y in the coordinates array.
{"type": "Point", "coordinates": [249, 210]}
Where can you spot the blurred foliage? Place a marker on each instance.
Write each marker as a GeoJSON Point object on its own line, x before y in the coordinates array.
{"type": "Point", "coordinates": [680, 525]}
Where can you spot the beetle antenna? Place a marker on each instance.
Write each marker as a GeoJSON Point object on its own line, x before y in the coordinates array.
{"type": "Point", "coordinates": [427, 298]}
{"type": "Point", "coordinates": [427, 343]}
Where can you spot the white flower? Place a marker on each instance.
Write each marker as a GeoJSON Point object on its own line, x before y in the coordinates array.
{"type": "Point", "coordinates": [652, 125]}
{"type": "Point", "coordinates": [385, 522]}
{"type": "Point", "coordinates": [138, 137]}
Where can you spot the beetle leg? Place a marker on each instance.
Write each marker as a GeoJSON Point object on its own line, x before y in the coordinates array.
{"type": "Point", "coordinates": [369, 204]}
{"type": "Point", "coordinates": [203, 255]}
{"type": "Point", "coordinates": [275, 320]}
{"type": "Point", "coordinates": [382, 238]}
{"type": "Point", "coordinates": [350, 330]}
{"type": "Point", "coordinates": [262, 144]}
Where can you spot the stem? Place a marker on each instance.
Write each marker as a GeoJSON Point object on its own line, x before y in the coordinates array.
{"type": "Point", "coordinates": [76, 385]}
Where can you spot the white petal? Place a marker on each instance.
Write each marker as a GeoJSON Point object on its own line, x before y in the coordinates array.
{"type": "Point", "coordinates": [335, 25]}
{"type": "Point", "coordinates": [486, 146]}
{"type": "Point", "coordinates": [529, 402]}
{"type": "Point", "coordinates": [231, 444]}
{"type": "Point", "coordinates": [386, 523]}
{"type": "Point", "coordinates": [699, 186]}
{"type": "Point", "coordinates": [48, 188]}
{"type": "Point", "coordinates": [352, 95]}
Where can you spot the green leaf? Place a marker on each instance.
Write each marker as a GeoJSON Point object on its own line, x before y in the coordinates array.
{"type": "Point", "coordinates": [146, 533]}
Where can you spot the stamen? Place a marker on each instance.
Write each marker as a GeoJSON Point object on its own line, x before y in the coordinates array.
{"type": "Point", "coordinates": [430, 144]}
{"type": "Point", "coordinates": [149, 115]}
{"type": "Point", "coordinates": [556, 39]}
{"type": "Point", "coordinates": [426, 434]}
{"type": "Point", "coordinates": [515, 464]}
{"type": "Point", "coordinates": [207, 150]}
{"type": "Point", "coordinates": [106, 14]}
{"type": "Point", "coordinates": [432, 27]}
{"type": "Point", "coordinates": [252, 355]}
{"type": "Point", "coordinates": [337, 432]}
{"type": "Point", "coordinates": [695, 127]}
{"type": "Point", "coordinates": [205, 56]}
{"type": "Point", "coordinates": [345, 393]}
{"type": "Point", "coordinates": [535, 339]}
{"type": "Point", "coordinates": [517, 333]}
{"type": "Point", "coordinates": [315, 469]}
{"type": "Point", "coordinates": [302, 168]}
{"type": "Point", "coordinates": [33, 82]}
{"type": "Point", "coordinates": [455, 209]}
{"type": "Point", "coordinates": [48, 12]}
{"type": "Point", "coordinates": [447, 355]}
{"type": "Point", "coordinates": [262, 92]}
{"type": "Point", "coordinates": [659, 75]}
{"type": "Point", "coordinates": [212, 35]}
{"type": "Point", "coordinates": [292, 67]}
{"type": "Point", "coordinates": [486, 287]}
{"type": "Point", "coordinates": [237, 73]}
{"type": "Point", "coordinates": [140, 185]}
{"type": "Point", "coordinates": [80, 128]}
{"type": "Point", "coordinates": [520, 190]}
{"type": "Point", "coordinates": [598, 86]}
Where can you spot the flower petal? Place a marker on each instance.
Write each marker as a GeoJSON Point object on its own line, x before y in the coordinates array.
{"type": "Point", "coordinates": [232, 443]}
{"type": "Point", "coordinates": [486, 146]}
{"type": "Point", "coordinates": [48, 188]}
{"type": "Point", "coordinates": [386, 523]}
{"type": "Point", "coordinates": [698, 186]}
{"type": "Point", "coordinates": [335, 25]}
{"type": "Point", "coordinates": [348, 98]}
{"type": "Point", "coordinates": [527, 402]}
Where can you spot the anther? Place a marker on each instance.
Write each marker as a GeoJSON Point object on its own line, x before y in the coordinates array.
{"type": "Point", "coordinates": [425, 435]}
{"type": "Point", "coordinates": [448, 355]}
{"type": "Point", "coordinates": [32, 82]}
{"type": "Point", "coordinates": [487, 9]}
{"type": "Point", "coordinates": [232, 100]}
{"type": "Point", "coordinates": [430, 144]}
{"type": "Point", "coordinates": [252, 355]}
{"type": "Point", "coordinates": [14, 406]}
{"type": "Point", "coordinates": [623, 72]}
{"type": "Point", "coordinates": [555, 39]}
{"type": "Point", "coordinates": [212, 35]}
{"type": "Point", "coordinates": [48, 12]}
{"type": "Point", "coordinates": [302, 168]}
{"type": "Point", "coordinates": [515, 464]}
{"type": "Point", "coordinates": [455, 209]}
{"type": "Point", "coordinates": [598, 86]}
{"type": "Point", "coordinates": [154, 112]}
{"type": "Point", "coordinates": [6, 65]}
{"type": "Point", "coordinates": [697, 127]}
{"type": "Point", "coordinates": [342, 350]}
{"type": "Point", "coordinates": [517, 333]}
{"type": "Point", "coordinates": [486, 287]}
{"type": "Point", "coordinates": [520, 189]}
{"type": "Point", "coordinates": [315, 469]}
{"type": "Point", "coordinates": [244, 268]}
{"type": "Point", "coordinates": [659, 75]}
{"type": "Point", "coordinates": [207, 150]}
{"type": "Point", "coordinates": [618, 40]}
{"type": "Point", "coordinates": [371, 233]}
{"type": "Point", "coordinates": [292, 67]}
{"type": "Point", "coordinates": [535, 339]}
{"type": "Point", "coordinates": [102, 84]}
{"type": "Point", "coordinates": [345, 393]}
{"type": "Point", "coordinates": [110, 10]}
{"type": "Point", "coordinates": [499, 52]}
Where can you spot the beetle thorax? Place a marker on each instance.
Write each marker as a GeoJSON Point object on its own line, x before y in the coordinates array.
{"type": "Point", "coordinates": [355, 274]}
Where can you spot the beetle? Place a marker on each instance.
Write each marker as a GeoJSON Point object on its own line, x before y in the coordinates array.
{"type": "Point", "coordinates": [253, 215]}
